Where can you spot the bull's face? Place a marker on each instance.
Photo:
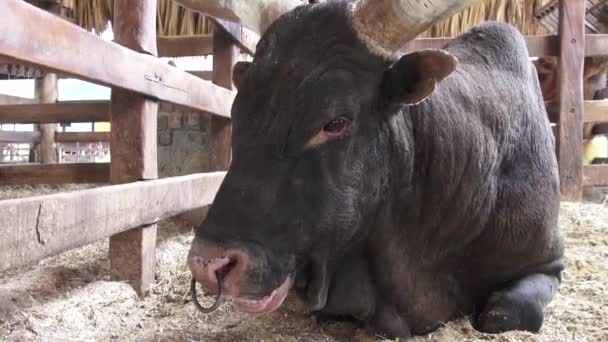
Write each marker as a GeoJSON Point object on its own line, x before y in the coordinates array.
{"type": "Point", "coordinates": [312, 126]}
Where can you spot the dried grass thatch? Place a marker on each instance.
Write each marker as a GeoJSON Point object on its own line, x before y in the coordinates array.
{"type": "Point", "coordinates": [519, 13]}
{"type": "Point", "coordinates": [174, 19]}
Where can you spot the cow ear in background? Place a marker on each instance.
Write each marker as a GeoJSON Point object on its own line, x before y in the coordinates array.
{"type": "Point", "coordinates": [412, 78]}
{"type": "Point", "coordinates": [238, 73]}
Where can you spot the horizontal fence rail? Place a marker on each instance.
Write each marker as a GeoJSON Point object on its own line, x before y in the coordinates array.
{"type": "Point", "coordinates": [66, 48]}
{"type": "Point", "coordinates": [37, 227]}
{"type": "Point", "coordinates": [54, 173]}
{"type": "Point", "coordinates": [595, 175]}
{"type": "Point", "coordinates": [68, 111]}
{"type": "Point", "coordinates": [542, 45]}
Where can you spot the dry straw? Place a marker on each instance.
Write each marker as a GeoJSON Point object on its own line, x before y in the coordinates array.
{"type": "Point", "coordinates": [174, 19]}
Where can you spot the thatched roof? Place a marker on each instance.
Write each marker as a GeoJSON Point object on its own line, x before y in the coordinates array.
{"type": "Point", "coordinates": [175, 20]}
{"type": "Point", "coordinates": [520, 13]}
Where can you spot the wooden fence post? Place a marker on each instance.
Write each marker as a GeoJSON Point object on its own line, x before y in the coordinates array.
{"type": "Point", "coordinates": [133, 145]}
{"type": "Point", "coordinates": [570, 122]}
{"type": "Point", "coordinates": [46, 92]}
{"type": "Point", "coordinates": [225, 54]}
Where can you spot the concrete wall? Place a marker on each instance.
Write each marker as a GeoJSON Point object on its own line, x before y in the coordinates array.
{"type": "Point", "coordinates": [182, 146]}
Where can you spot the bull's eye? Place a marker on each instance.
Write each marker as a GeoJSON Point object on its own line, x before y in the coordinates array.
{"type": "Point", "coordinates": [336, 126]}
{"type": "Point", "coordinates": [333, 129]}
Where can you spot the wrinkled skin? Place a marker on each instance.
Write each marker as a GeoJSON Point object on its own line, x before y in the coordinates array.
{"type": "Point", "coordinates": [439, 199]}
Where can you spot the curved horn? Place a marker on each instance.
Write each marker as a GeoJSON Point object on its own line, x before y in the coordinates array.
{"type": "Point", "coordinates": [386, 25]}
{"type": "Point", "coordinates": [256, 15]}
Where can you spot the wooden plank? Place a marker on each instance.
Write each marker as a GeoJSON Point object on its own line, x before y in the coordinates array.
{"type": "Point", "coordinates": [595, 175]}
{"type": "Point", "coordinates": [246, 41]}
{"type": "Point", "coordinates": [54, 173]}
{"type": "Point", "coordinates": [596, 111]}
{"type": "Point", "coordinates": [72, 111]}
{"type": "Point", "coordinates": [182, 46]}
{"type": "Point", "coordinates": [87, 56]}
{"type": "Point", "coordinates": [204, 74]}
{"type": "Point", "coordinates": [202, 44]}
{"type": "Point", "coordinates": [37, 227]}
{"type": "Point", "coordinates": [47, 91]}
{"type": "Point", "coordinates": [596, 45]}
{"type": "Point", "coordinates": [225, 56]}
{"type": "Point", "coordinates": [19, 137]}
{"type": "Point", "coordinates": [255, 15]}
{"type": "Point", "coordinates": [570, 122]}
{"type": "Point", "coordinates": [15, 100]}
{"type": "Point", "coordinates": [133, 137]}
{"type": "Point", "coordinates": [83, 137]}
{"type": "Point", "coordinates": [133, 146]}
{"type": "Point", "coordinates": [542, 45]}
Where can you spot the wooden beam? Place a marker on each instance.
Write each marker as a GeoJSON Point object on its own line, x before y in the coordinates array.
{"type": "Point", "coordinates": [570, 122]}
{"type": "Point", "coordinates": [255, 15]}
{"type": "Point", "coordinates": [246, 40]}
{"type": "Point", "coordinates": [83, 137]}
{"type": "Point", "coordinates": [541, 45]}
{"type": "Point", "coordinates": [596, 44]}
{"type": "Point", "coordinates": [225, 56]}
{"type": "Point", "coordinates": [15, 100]}
{"type": "Point", "coordinates": [37, 227]}
{"type": "Point", "coordinates": [19, 137]}
{"type": "Point", "coordinates": [182, 46]}
{"type": "Point", "coordinates": [596, 111]}
{"type": "Point", "coordinates": [204, 74]}
{"type": "Point", "coordinates": [133, 146]}
{"type": "Point", "coordinates": [72, 111]}
{"type": "Point", "coordinates": [87, 56]}
{"type": "Point", "coordinates": [595, 175]}
{"type": "Point", "coordinates": [54, 173]}
{"type": "Point", "coordinates": [47, 91]}
{"type": "Point", "coordinates": [202, 44]}
{"type": "Point", "coordinates": [544, 45]}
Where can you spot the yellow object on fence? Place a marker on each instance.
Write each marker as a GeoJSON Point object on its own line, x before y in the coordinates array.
{"type": "Point", "coordinates": [596, 147]}
{"type": "Point", "coordinates": [102, 127]}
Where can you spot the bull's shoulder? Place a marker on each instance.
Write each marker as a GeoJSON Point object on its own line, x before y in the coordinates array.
{"type": "Point", "coordinates": [494, 45]}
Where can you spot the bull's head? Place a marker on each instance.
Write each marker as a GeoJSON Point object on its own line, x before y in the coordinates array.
{"type": "Point", "coordinates": [313, 146]}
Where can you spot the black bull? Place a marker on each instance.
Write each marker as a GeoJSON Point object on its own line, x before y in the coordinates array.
{"type": "Point", "coordinates": [399, 192]}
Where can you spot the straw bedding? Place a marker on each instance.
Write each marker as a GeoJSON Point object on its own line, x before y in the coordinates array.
{"type": "Point", "coordinates": [69, 297]}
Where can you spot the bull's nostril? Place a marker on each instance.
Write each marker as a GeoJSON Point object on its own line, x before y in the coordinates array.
{"type": "Point", "coordinates": [208, 267]}
{"type": "Point", "coordinates": [226, 268]}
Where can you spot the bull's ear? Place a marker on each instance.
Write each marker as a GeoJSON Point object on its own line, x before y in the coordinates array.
{"type": "Point", "coordinates": [412, 78]}
{"type": "Point", "coordinates": [239, 71]}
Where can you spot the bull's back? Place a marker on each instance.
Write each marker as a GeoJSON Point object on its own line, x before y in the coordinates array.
{"type": "Point", "coordinates": [487, 124]}
{"type": "Point", "coordinates": [521, 232]}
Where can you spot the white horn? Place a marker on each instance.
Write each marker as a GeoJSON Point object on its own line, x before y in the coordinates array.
{"type": "Point", "coordinates": [386, 25]}
{"type": "Point", "coordinates": [256, 15]}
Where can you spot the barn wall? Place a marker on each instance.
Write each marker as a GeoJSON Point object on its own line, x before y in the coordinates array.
{"type": "Point", "coordinates": [182, 146]}
{"type": "Point", "coordinates": [182, 141]}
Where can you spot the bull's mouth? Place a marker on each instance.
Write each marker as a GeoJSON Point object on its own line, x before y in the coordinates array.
{"type": "Point", "coordinates": [266, 304]}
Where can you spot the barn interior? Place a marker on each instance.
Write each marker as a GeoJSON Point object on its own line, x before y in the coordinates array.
{"type": "Point", "coordinates": [97, 210]}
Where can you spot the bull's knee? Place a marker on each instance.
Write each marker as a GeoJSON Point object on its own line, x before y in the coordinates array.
{"type": "Point", "coordinates": [518, 307]}
{"type": "Point", "coordinates": [387, 323]}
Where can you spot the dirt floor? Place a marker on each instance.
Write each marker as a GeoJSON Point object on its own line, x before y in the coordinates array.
{"type": "Point", "coordinates": [69, 298]}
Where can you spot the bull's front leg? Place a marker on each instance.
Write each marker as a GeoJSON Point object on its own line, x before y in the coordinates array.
{"type": "Point", "coordinates": [353, 297]}
{"type": "Point", "coordinates": [519, 306]}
